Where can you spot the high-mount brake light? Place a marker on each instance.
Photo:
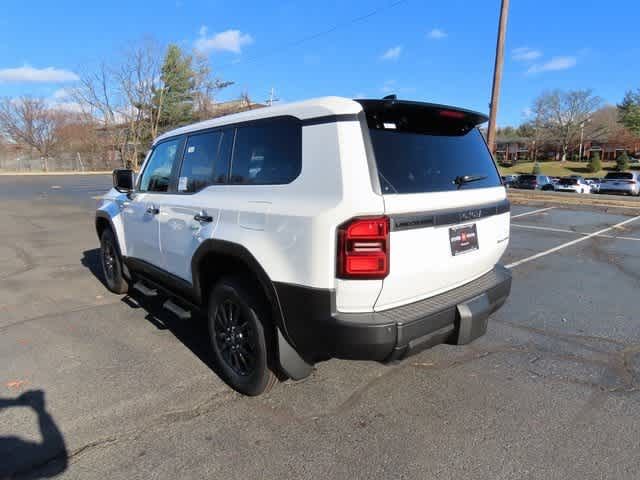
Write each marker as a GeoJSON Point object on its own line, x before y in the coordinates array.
{"type": "Point", "coordinates": [452, 114]}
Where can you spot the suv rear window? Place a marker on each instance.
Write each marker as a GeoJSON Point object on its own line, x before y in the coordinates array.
{"type": "Point", "coordinates": [527, 178]}
{"type": "Point", "coordinates": [619, 176]}
{"type": "Point", "coordinates": [422, 148]}
{"type": "Point", "coordinates": [568, 181]}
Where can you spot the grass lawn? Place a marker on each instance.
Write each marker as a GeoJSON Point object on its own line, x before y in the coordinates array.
{"type": "Point", "coordinates": [559, 169]}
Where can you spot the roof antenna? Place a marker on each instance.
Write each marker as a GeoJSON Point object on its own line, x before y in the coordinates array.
{"type": "Point", "coordinates": [390, 97]}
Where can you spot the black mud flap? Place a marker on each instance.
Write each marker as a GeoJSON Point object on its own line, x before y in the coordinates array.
{"type": "Point", "coordinates": [290, 361]}
{"type": "Point", "coordinates": [472, 319]}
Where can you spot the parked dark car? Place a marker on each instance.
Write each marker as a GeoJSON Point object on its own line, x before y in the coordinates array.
{"type": "Point", "coordinates": [509, 180]}
{"type": "Point", "coordinates": [534, 182]}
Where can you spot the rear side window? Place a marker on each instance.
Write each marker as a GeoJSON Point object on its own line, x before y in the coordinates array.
{"type": "Point", "coordinates": [267, 153]}
{"type": "Point", "coordinates": [157, 173]}
{"type": "Point", "coordinates": [205, 161]}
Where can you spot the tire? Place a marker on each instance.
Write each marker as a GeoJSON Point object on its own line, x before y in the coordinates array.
{"type": "Point", "coordinates": [111, 262]}
{"type": "Point", "coordinates": [241, 336]}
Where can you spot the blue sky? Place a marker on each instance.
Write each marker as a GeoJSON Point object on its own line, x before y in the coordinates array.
{"type": "Point", "coordinates": [437, 51]}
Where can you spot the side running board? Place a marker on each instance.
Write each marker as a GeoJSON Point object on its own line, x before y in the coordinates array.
{"type": "Point", "coordinates": [143, 289]}
{"type": "Point", "coordinates": [177, 310]}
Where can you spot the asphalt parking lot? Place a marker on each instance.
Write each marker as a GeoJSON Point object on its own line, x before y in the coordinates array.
{"type": "Point", "coordinates": [92, 385]}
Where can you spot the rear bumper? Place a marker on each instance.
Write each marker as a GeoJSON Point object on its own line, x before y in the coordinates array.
{"type": "Point", "coordinates": [457, 316]}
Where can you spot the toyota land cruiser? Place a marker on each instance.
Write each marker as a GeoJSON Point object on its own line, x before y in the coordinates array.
{"type": "Point", "coordinates": [355, 229]}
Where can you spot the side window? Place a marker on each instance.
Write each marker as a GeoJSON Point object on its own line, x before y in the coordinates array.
{"type": "Point", "coordinates": [157, 173]}
{"type": "Point", "coordinates": [206, 161]}
{"type": "Point", "coordinates": [268, 153]}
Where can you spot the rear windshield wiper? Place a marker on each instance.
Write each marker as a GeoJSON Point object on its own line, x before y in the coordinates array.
{"type": "Point", "coordinates": [461, 180]}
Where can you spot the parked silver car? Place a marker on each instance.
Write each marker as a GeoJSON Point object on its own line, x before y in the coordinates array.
{"type": "Point", "coordinates": [624, 183]}
{"type": "Point", "coordinates": [595, 183]}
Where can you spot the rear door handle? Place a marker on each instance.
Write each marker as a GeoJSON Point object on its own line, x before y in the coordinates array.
{"type": "Point", "coordinates": [203, 218]}
{"type": "Point", "coordinates": [153, 210]}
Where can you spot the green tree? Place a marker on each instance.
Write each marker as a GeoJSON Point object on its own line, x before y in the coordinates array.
{"type": "Point", "coordinates": [629, 111]}
{"type": "Point", "coordinates": [174, 97]}
{"type": "Point", "coordinates": [622, 162]}
{"type": "Point", "coordinates": [595, 165]}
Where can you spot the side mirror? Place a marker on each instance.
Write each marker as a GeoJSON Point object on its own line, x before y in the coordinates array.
{"type": "Point", "coordinates": [123, 180]}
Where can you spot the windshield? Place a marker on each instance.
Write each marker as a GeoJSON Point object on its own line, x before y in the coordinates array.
{"type": "Point", "coordinates": [418, 163]}
{"type": "Point", "coordinates": [568, 181]}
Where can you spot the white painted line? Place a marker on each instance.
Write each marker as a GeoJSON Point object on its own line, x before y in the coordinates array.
{"type": "Point", "coordinates": [562, 230]}
{"type": "Point", "coordinates": [619, 238]}
{"type": "Point", "coordinates": [547, 229]}
{"type": "Point", "coordinates": [532, 212]}
{"type": "Point", "coordinates": [573, 242]}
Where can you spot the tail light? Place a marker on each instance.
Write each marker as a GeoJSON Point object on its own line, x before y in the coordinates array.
{"type": "Point", "coordinates": [363, 249]}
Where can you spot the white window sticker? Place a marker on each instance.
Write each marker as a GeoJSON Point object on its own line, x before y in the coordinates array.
{"type": "Point", "coordinates": [389, 126]}
{"type": "Point", "coordinates": [182, 184]}
{"type": "Point", "coordinates": [191, 149]}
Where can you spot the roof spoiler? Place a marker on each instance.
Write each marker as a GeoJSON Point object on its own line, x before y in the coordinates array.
{"type": "Point", "coordinates": [420, 117]}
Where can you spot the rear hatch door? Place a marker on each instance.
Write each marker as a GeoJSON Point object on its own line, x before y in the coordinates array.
{"type": "Point", "coordinates": [443, 194]}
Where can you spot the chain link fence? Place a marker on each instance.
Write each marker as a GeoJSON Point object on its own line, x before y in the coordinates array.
{"type": "Point", "coordinates": [65, 162]}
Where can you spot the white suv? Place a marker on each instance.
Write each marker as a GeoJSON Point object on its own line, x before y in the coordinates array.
{"type": "Point", "coordinates": [363, 229]}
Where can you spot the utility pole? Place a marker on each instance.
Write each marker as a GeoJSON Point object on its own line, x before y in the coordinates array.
{"type": "Point", "coordinates": [497, 76]}
{"type": "Point", "coordinates": [581, 149]}
{"type": "Point", "coordinates": [272, 97]}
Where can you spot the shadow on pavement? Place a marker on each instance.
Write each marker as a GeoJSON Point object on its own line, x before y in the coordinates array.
{"type": "Point", "coordinates": [91, 260]}
{"type": "Point", "coordinates": [21, 458]}
{"type": "Point", "coordinates": [192, 333]}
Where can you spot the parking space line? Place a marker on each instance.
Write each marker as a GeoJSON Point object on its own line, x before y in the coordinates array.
{"type": "Point", "coordinates": [532, 212]}
{"type": "Point", "coordinates": [564, 230]}
{"type": "Point", "coordinates": [572, 242]}
{"type": "Point", "coordinates": [547, 229]}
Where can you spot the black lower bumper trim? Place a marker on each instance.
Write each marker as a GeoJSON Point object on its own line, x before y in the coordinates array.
{"type": "Point", "coordinates": [460, 315]}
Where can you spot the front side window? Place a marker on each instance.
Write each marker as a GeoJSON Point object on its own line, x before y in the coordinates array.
{"type": "Point", "coordinates": [267, 153]}
{"type": "Point", "coordinates": [206, 160]}
{"type": "Point", "coordinates": [157, 174]}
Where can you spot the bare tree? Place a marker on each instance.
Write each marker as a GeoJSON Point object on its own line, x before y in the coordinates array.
{"type": "Point", "coordinates": [139, 82]}
{"type": "Point", "coordinates": [98, 96]}
{"type": "Point", "coordinates": [126, 99]}
{"type": "Point", "coordinates": [561, 115]}
{"type": "Point", "coordinates": [30, 121]}
{"type": "Point", "coordinates": [205, 87]}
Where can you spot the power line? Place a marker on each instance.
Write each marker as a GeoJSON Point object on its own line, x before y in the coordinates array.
{"type": "Point", "coordinates": [295, 43]}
